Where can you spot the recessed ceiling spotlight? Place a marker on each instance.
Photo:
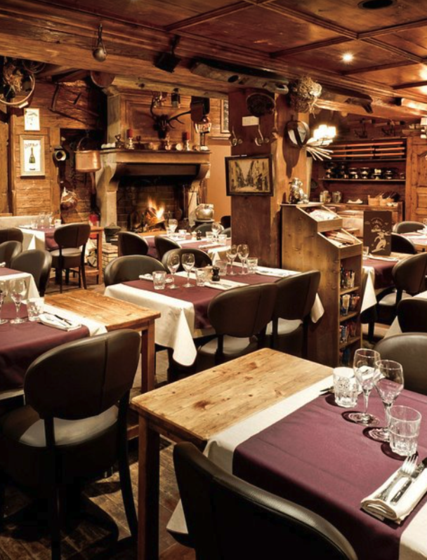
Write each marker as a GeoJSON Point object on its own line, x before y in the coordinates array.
{"type": "Point", "coordinates": [347, 57]}
{"type": "Point", "coordinates": [375, 4]}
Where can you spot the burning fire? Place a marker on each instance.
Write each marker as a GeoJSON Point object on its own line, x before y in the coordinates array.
{"type": "Point", "coordinates": [159, 211]}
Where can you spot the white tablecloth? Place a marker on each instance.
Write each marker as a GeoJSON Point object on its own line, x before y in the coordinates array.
{"type": "Point", "coordinates": [33, 239]}
{"type": "Point", "coordinates": [29, 280]}
{"type": "Point", "coordinates": [175, 327]}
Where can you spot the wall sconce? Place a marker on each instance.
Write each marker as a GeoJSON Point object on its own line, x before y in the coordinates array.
{"type": "Point", "coordinates": [176, 98]}
{"type": "Point", "coordinates": [324, 134]}
{"type": "Point", "coordinates": [423, 124]}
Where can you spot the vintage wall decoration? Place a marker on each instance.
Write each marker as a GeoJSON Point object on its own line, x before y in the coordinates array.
{"type": "Point", "coordinates": [31, 119]}
{"type": "Point", "coordinates": [32, 156]}
{"type": "Point", "coordinates": [249, 175]}
{"type": "Point", "coordinates": [304, 93]}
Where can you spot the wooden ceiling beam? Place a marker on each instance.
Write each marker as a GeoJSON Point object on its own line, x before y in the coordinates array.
{"type": "Point", "coordinates": [393, 29]}
{"type": "Point", "coordinates": [394, 50]}
{"type": "Point", "coordinates": [310, 47]}
{"type": "Point", "coordinates": [410, 85]}
{"type": "Point", "coordinates": [380, 108]}
{"type": "Point", "coordinates": [208, 16]}
{"type": "Point", "coordinates": [377, 67]}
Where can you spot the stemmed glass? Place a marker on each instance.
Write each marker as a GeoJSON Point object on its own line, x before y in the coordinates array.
{"type": "Point", "coordinates": [389, 384]}
{"type": "Point", "coordinates": [173, 264]}
{"type": "Point", "coordinates": [216, 230]}
{"type": "Point", "coordinates": [188, 262]}
{"type": "Point", "coordinates": [172, 224]}
{"type": "Point", "coordinates": [231, 257]}
{"type": "Point", "coordinates": [243, 252]}
{"type": "Point", "coordinates": [3, 294]}
{"type": "Point", "coordinates": [364, 366]}
{"type": "Point", "coordinates": [18, 292]}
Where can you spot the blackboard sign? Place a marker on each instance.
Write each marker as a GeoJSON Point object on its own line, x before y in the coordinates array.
{"type": "Point", "coordinates": [377, 226]}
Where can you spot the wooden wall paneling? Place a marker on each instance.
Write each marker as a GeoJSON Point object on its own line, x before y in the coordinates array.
{"type": "Point", "coordinates": [4, 187]}
{"type": "Point", "coordinates": [416, 183]}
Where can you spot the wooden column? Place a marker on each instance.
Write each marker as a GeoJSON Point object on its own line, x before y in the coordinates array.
{"type": "Point", "coordinates": [256, 219]}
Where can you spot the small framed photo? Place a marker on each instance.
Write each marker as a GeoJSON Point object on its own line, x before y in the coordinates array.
{"type": "Point", "coordinates": [32, 156]}
{"type": "Point", "coordinates": [224, 117]}
{"type": "Point", "coordinates": [31, 119]}
{"type": "Point", "coordinates": [249, 175]}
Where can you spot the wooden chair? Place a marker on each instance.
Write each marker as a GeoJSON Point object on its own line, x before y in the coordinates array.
{"type": "Point", "coordinates": [163, 245]}
{"type": "Point", "coordinates": [410, 350]}
{"type": "Point", "coordinates": [125, 269]}
{"type": "Point", "coordinates": [71, 240]}
{"type": "Point", "coordinates": [35, 262]}
{"type": "Point", "coordinates": [77, 428]}
{"type": "Point", "coordinates": [11, 234]}
{"type": "Point", "coordinates": [9, 250]}
{"type": "Point", "coordinates": [229, 518]}
{"type": "Point", "coordinates": [407, 227]}
{"type": "Point", "coordinates": [132, 244]}
{"type": "Point", "coordinates": [202, 259]}
{"type": "Point", "coordinates": [401, 244]}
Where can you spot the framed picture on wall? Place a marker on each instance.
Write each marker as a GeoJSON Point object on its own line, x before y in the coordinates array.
{"type": "Point", "coordinates": [249, 175]}
{"type": "Point", "coordinates": [224, 117]}
{"type": "Point", "coordinates": [31, 119]}
{"type": "Point", "coordinates": [32, 156]}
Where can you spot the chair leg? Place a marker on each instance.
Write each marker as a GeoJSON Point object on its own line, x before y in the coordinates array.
{"type": "Point", "coordinates": [371, 329]}
{"type": "Point", "coordinates": [54, 523]}
{"type": "Point", "coordinates": [127, 493]}
{"type": "Point", "coordinates": [60, 280]}
{"type": "Point", "coordinates": [83, 274]}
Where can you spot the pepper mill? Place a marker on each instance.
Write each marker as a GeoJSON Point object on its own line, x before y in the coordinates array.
{"type": "Point", "coordinates": [215, 274]}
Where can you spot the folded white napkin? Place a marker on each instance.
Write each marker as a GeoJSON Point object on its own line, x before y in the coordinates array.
{"type": "Point", "coordinates": [2, 265]}
{"type": "Point", "coordinates": [378, 258]}
{"type": "Point", "coordinates": [208, 245]}
{"type": "Point", "coordinates": [145, 276]}
{"type": "Point", "coordinates": [224, 285]}
{"type": "Point", "coordinates": [63, 324]}
{"type": "Point", "coordinates": [399, 511]}
{"type": "Point", "coordinates": [272, 272]}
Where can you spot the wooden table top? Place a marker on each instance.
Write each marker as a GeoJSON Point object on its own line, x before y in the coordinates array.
{"type": "Point", "coordinates": [113, 313]}
{"type": "Point", "coordinates": [204, 404]}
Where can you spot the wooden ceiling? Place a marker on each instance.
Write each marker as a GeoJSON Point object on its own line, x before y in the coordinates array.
{"type": "Point", "coordinates": [289, 38]}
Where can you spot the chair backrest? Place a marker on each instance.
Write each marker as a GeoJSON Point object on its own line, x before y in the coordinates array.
{"type": "Point", "coordinates": [412, 315]}
{"type": "Point", "coordinates": [296, 295]}
{"type": "Point", "coordinates": [125, 269]}
{"type": "Point", "coordinates": [244, 311]}
{"type": "Point", "coordinates": [11, 234]}
{"type": "Point", "coordinates": [72, 235]}
{"type": "Point", "coordinates": [163, 245]}
{"type": "Point", "coordinates": [35, 262]}
{"type": "Point", "coordinates": [9, 250]}
{"type": "Point", "coordinates": [406, 227]}
{"type": "Point", "coordinates": [132, 244]}
{"type": "Point", "coordinates": [410, 350]}
{"type": "Point", "coordinates": [227, 232]}
{"type": "Point", "coordinates": [204, 227]}
{"type": "Point", "coordinates": [229, 518]}
{"type": "Point", "coordinates": [202, 259]}
{"type": "Point", "coordinates": [85, 377]}
{"type": "Point", "coordinates": [401, 244]}
{"type": "Point", "coordinates": [409, 274]}
{"type": "Point", "coordinates": [226, 221]}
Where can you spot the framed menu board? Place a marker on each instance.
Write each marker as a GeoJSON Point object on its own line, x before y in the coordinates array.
{"type": "Point", "coordinates": [32, 156]}
{"type": "Point", "coordinates": [377, 227]}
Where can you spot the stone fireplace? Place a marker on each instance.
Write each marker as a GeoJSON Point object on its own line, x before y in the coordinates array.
{"type": "Point", "coordinates": [132, 181]}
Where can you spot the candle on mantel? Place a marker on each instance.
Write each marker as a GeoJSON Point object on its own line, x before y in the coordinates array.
{"type": "Point", "coordinates": [130, 132]}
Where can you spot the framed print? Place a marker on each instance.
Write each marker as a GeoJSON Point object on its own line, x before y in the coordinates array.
{"type": "Point", "coordinates": [249, 175]}
{"type": "Point", "coordinates": [377, 228]}
{"type": "Point", "coordinates": [31, 119]}
{"type": "Point", "coordinates": [32, 156]}
{"type": "Point", "coordinates": [224, 117]}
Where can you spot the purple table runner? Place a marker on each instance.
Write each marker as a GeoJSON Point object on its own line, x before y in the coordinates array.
{"type": "Point", "coordinates": [319, 460]}
{"type": "Point", "coordinates": [21, 344]}
{"type": "Point", "coordinates": [383, 269]}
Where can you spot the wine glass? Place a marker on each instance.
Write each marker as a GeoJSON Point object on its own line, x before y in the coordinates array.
{"type": "Point", "coordinates": [389, 384]}
{"type": "Point", "coordinates": [231, 257]}
{"type": "Point", "coordinates": [188, 262]}
{"type": "Point", "coordinates": [173, 224]}
{"type": "Point", "coordinates": [18, 292]}
{"type": "Point", "coordinates": [364, 365]}
{"type": "Point", "coordinates": [216, 230]}
{"type": "Point", "coordinates": [3, 294]}
{"type": "Point", "coordinates": [173, 264]}
{"type": "Point", "coordinates": [243, 252]}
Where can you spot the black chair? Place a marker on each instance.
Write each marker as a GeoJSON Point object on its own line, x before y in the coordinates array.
{"type": "Point", "coordinates": [71, 240]}
{"type": "Point", "coordinates": [230, 519]}
{"type": "Point", "coordinates": [75, 430]}
{"type": "Point", "coordinates": [125, 269]}
{"type": "Point", "coordinates": [9, 250]}
{"type": "Point", "coordinates": [412, 315]}
{"type": "Point", "coordinates": [203, 228]}
{"type": "Point", "coordinates": [407, 227]}
{"type": "Point", "coordinates": [35, 262]}
{"type": "Point", "coordinates": [410, 350]}
{"type": "Point", "coordinates": [163, 245]}
{"type": "Point", "coordinates": [202, 259]}
{"type": "Point", "coordinates": [227, 232]}
{"type": "Point", "coordinates": [295, 298]}
{"type": "Point", "coordinates": [132, 244]}
{"type": "Point", "coordinates": [401, 244]}
{"type": "Point", "coordinates": [225, 221]}
{"type": "Point", "coordinates": [239, 317]}
{"type": "Point", "coordinates": [409, 280]}
{"type": "Point", "coordinates": [11, 234]}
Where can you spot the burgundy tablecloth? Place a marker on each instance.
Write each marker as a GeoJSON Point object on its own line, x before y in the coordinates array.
{"type": "Point", "coordinates": [8, 271]}
{"type": "Point", "coordinates": [318, 459]}
{"type": "Point", "coordinates": [152, 251]}
{"type": "Point", "coordinates": [21, 344]}
{"type": "Point", "coordinates": [48, 238]}
{"type": "Point", "coordinates": [383, 276]}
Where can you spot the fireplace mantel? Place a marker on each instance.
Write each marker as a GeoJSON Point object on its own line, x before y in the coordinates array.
{"type": "Point", "coordinates": [118, 163]}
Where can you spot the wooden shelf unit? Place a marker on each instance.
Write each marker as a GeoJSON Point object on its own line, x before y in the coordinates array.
{"type": "Point", "coordinates": [393, 149]}
{"type": "Point", "coordinates": [305, 247]}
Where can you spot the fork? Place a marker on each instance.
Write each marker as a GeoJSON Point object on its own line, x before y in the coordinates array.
{"type": "Point", "coordinates": [406, 470]}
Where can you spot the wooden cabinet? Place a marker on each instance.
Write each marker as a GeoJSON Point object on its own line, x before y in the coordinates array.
{"type": "Point", "coordinates": [307, 245]}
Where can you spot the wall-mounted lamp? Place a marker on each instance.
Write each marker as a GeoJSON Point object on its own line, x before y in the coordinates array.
{"type": "Point", "coordinates": [324, 134]}
{"type": "Point", "coordinates": [423, 124]}
{"type": "Point", "coordinates": [176, 98]}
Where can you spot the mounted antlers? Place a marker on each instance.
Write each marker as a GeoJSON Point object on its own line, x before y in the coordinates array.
{"type": "Point", "coordinates": [162, 123]}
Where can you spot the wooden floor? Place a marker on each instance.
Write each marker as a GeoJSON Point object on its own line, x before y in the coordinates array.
{"type": "Point", "coordinates": [87, 538]}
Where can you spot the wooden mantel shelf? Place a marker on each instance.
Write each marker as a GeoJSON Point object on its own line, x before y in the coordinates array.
{"type": "Point", "coordinates": [164, 157]}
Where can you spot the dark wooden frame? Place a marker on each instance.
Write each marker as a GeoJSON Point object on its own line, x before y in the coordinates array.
{"type": "Point", "coordinates": [233, 163]}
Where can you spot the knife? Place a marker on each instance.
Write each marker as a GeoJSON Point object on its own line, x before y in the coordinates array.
{"type": "Point", "coordinates": [421, 467]}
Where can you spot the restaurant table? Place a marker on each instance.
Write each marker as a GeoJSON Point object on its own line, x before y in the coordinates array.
{"type": "Point", "coordinates": [184, 310]}
{"type": "Point", "coordinates": [115, 315]}
{"type": "Point", "coordinates": [215, 250]}
{"type": "Point", "coordinates": [378, 271]}
{"type": "Point", "coordinates": [418, 238]}
{"type": "Point", "coordinates": [198, 407]}
{"type": "Point", "coordinates": [10, 274]}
